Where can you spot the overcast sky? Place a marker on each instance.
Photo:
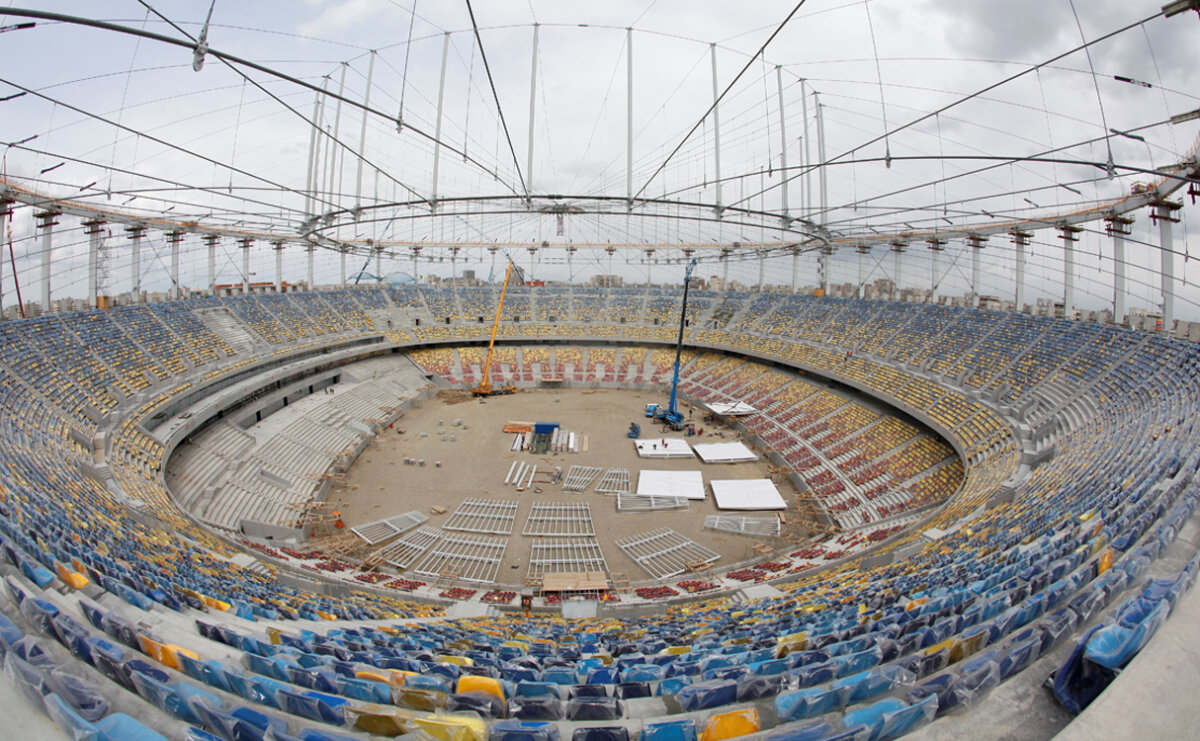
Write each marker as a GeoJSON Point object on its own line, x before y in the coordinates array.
{"type": "Point", "coordinates": [139, 132]}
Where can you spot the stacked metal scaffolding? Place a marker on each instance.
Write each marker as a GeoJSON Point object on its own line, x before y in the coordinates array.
{"type": "Point", "coordinates": [615, 481]}
{"type": "Point", "coordinates": [580, 477]}
{"type": "Point", "coordinates": [491, 516]}
{"type": "Point", "coordinates": [664, 553]}
{"type": "Point", "coordinates": [406, 551]}
{"type": "Point", "coordinates": [627, 502]}
{"type": "Point", "coordinates": [572, 520]}
{"type": "Point", "coordinates": [763, 526]}
{"type": "Point", "coordinates": [381, 530]}
{"type": "Point", "coordinates": [473, 558]}
{"type": "Point", "coordinates": [565, 555]}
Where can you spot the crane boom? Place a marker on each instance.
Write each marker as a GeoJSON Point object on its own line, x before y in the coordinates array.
{"type": "Point", "coordinates": [485, 387]}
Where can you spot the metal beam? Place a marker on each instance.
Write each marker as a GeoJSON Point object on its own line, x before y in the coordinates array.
{"type": "Point", "coordinates": [784, 204]}
{"type": "Point", "coordinates": [716, 130]}
{"type": "Point", "coordinates": [532, 109]}
{"type": "Point", "coordinates": [437, 129]}
{"type": "Point", "coordinates": [362, 135]}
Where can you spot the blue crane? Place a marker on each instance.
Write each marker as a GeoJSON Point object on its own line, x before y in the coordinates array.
{"type": "Point", "coordinates": [671, 414]}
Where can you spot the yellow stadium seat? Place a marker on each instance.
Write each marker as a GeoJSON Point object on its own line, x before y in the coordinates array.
{"type": "Point", "coordinates": [731, 725]}
{"type": "Point", "coordinates": [73, 579]}
{"type": "Point", "coordinates": [152, 648]}
{"type": "Point", "coordinates": [453, 727]}
{"type": "Point", "coordinates": [171, 653]}
{"type": "Point", "coordinates": [472, 683]}
{"type": "Point", "coordinates": [455, 660]}
{"type": "Point", "coordinates": [418, 699]}
{"type": "Point", "coordinates": [950, 644]}
{"type": "Point", "coordinates": [968, 646]}
{"type": "Point", "coordinates": [214, 603]}
{"type": "Point", "coordinates": [379, 720]}
{"type": "Point", "coordinates": [382, 676]}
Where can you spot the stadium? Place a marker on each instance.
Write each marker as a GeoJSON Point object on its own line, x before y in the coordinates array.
{"type": "Point", "coordinates": [653, 372]}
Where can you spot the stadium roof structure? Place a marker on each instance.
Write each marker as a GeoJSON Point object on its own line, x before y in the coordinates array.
{"type": "Point", "coordinates": [784, 142]}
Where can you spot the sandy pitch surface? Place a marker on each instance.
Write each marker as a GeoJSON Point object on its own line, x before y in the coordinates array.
{"type": "Point", "coordinates": [475, 464]}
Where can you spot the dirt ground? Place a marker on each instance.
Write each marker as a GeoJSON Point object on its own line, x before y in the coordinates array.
{"type": "Point", "coordinates": [475, 464]}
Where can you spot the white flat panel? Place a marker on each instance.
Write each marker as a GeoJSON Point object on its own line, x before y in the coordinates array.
{"type": "Point", "coordinates": [731, 408]}
{"type": "Point", "coordinates": [686, 484]}
{"type": "Point", "coordinates": [663, 447]}
{"type": "Point", "coordinates": [725, 453]}
{"type": "Point", "coordinates": [747, 494]}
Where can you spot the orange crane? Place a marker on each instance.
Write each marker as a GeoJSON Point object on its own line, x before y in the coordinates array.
{"type": "Point", "coordinates": [485, 388]}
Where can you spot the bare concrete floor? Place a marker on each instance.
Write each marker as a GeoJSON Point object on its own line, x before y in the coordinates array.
{"type": "Point", "coordinates": [475, 464]}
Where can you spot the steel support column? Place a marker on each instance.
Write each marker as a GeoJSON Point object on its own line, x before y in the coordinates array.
{"type": "Point", "coordinates": [135, 233]}
{"type": "Point", "coordinates": [1020, 241]}
{"type": "Point", "coordinates": [1164, 213]}
{"type": "Point", "coordinates": [1118, 228]}
{"type": "Point", "coordinates": [46, 221]}
{"type": "Point", "coordinates": [93, 228]}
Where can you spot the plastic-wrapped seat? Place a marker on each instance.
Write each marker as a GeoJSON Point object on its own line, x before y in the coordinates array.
{"type": "Point", "coordinates": [810, 702]}
{"type": "Point", "coordinates": [872, 716]}
{"type": "Point", "coordinates": [643, 673]}
{"type": "Point", "coordinates": [313, 705]}
{"type": "Point", "coordinates": [536, 708]}
{"type": "Point", "coordinates": [710, 694]}
{"type": "Point", "coordinates": [113, 727]}
{"type": "Point", "coordinates": [602, 675]}
{"type": "Point", "coordinates": [683, 729]}
{"type": "Point", "coordinates": [362, 689]}
{"type": "Point", "coordinates": [814, 674]}
{"type": "Point", "coordinates": [594, 708]}
{"type": "Point", "coordinates": [731, 725]}
{"type": "Point", "coordinates": [40, 613]}
{"type": "Point", "coordinates": [379, 720]}
{"type": "Point", "coordinates": [167, 698]}
{"type": "Point", "coordinates": [671, 686]}
{"type": "Point", "coordinates": [630, 690]}
{"type": "Point", "coordinates": [513, 730]}
{"type": "Point", "coordinates": [1137, 620]}
{"type": "Point", "coordinates": [536, 689]}
{"type": "Point", "coordinates": [453, 727]}
{"type": "Point", "coordinates": [1019, 654]}
{"type": "Point", "coordinates": [752, 687]}
{"type": "Point", "coordinates": [811, 730]}
{"type": "Point", "coordinates": [418, 699]}
{"type": "Point", "coordinates": [1055, 627]}
{"type": "Point", "coordinates": [240, 723]}
{"type": "Point", "coordinates": [109, 659]}
{"type": "Point", "coordinates": [971, 640]}
{"type": "Point", "coordinates": [601, 733]}
{"type": "Point", "coordinates": [865, 685]}
{"type": "Point", "coordinates": [896, 723]}
{"type": "Point", "coordinates": [209, 671]}
{"type": "Point", "coordinates": [482, 703]}
{"type": "Point", "coordinates": [970, 688]}
{"type": "Point", "coordinates": [38, 679]}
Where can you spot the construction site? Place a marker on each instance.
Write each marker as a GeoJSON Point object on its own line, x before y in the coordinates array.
{"type": "Point", "coordinates": [561, 508]}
